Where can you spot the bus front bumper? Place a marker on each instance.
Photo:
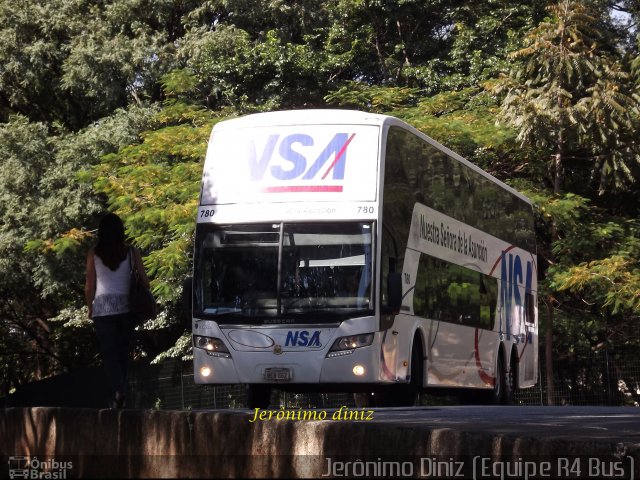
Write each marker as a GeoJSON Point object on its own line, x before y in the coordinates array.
{"type": "Point", "coordinates": [362, 365]}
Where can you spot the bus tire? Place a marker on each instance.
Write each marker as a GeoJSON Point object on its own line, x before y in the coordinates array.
{"type": "Point", "coordinates": [511, 381]}
{"type": "Point", "coordinates": [417, 372]}
{"type": "Point", "coordinates": [498, 393]}
{"type": "Point", "coordinates": [258, 396]}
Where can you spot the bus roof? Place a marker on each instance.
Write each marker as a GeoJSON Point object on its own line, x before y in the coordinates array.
{"type": "Point", "coordinates": [345, 117]}
{"type": "Point", "coordinates": [304, 117]}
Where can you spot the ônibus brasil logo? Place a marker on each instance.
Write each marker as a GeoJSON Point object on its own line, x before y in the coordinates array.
{"type": "Point", "coordinates": [32, 468]}
{"type": "Point", "coordinates": [301, 173]}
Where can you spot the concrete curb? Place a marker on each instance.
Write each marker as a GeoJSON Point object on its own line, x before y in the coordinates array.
{"type": "Point", "coordinates": [225, 444]}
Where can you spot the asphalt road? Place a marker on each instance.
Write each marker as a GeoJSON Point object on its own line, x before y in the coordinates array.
{"type": "Point", "coordinates": [611, 424]}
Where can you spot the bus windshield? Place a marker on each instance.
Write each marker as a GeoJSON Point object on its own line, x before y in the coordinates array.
{"type": "Point", "coordinates": [284, 272]}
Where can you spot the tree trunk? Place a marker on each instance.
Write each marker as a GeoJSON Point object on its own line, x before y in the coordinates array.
{"type": "Point", "coordinates": [405, 55]}
{"type": "Point", "coordinates": [557, 166]}
{"type": "Point", "coordinates": [548, 344]}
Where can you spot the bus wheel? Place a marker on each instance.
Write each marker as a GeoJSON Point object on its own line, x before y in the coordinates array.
{"type": "Point", "coordinates": [258, 396]}
{"type": "Point", "coordinates": [511, 382]}
{"type": "Point", "coordinates": [497, 394]}
{"type": "Point", "coordinates": [412, 396]}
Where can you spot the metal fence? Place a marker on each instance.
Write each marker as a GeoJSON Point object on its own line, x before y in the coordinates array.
{"type": "Point", "coordinates": [597, 378]}
{"type": "Point", "coordinates": [587, 378]}
{"type": "Point", "coordinates": [170, 386]}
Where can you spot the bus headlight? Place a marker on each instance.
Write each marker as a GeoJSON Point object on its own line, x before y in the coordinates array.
{"type": "Point", "coordinates": [213, 346]}
{"type": "Point", "coordinates": [346, 345]}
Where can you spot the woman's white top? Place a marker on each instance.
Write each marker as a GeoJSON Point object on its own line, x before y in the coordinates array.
{"type": "Point", "coordinates": [112, 288]}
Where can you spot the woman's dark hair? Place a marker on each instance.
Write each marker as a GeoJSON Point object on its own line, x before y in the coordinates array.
{"type": "Point", "coordinates": [111, 247]}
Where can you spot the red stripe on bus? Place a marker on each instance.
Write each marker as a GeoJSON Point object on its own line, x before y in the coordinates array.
{"type": "Point", "coordinates": [338, 155]}
{"type": "Point", "coordinates": [303, 188]}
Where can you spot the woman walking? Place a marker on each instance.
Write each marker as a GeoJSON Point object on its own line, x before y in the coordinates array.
{"type": "Point", "coordinates": [107, 295]}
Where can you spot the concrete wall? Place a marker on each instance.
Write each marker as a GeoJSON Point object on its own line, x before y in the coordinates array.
{"type": "Point", "coordinates": [172, 444]}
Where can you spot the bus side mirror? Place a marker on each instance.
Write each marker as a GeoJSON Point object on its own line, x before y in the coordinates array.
{"type": "Point", "coordinates": [187, 300]}
{"type": "Point", "coordinates": [394, 291]}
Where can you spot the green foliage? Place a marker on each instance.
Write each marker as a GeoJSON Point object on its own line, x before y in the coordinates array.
{"type": "Point", "coordinates": [484, 33]}
{"type": "Point", "coordinates": [77, 76]}
{"type": "Point", "coordinates": [465, 122]}
{"type": "Point", "coordinates": [77, 61]}
{"type": "Point", "coordinates": [569, 94]}
{"type": "Point", "coordinates": [260, 73]}
{"type": "Point", "coordinates": [181, 349]}
{"type": "Point", "coordinates": [67, 204]}
{"type": "Point", "coordinates": [376, 99]}
{"type": "Point", "coordinates": [45, 209]}
{"type": "Point", "coordinates": [608, 274]}
{"type": "Point", "coordinates": [73, 338]}
{"type": "Point", "coordinates": [154, 186]}
{"type": "Point", "coordinates": [380, 41]}
{"type": "Point", "coordinates": [471, 110]}
{"type": "Point", "coordinates": [570, 97]}
{"type": "Point", "coordinates": [594, 271]}
{"type": "Point", "coordinates": [266, 55]}
{"type": "Point", "coordinates": [613, 281]}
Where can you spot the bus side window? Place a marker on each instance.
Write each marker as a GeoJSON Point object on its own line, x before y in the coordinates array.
{"type": "Point", "coordinates": [388, 263]}
{"type": "Point", "coordinates": [452, 293]}
{"type": "Point", "coordinates": [529, 308]}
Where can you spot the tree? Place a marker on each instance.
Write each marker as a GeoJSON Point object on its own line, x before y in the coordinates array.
{"type": "Point", "coordinates": [68, 152]}
{"type": "Point", "coordinates": [569, 95]}
{"type": "Point", "coordinates": [387, 41]}
{"type": "Point", "coordinates": [78, 61]}
{"type": "Point", "coordinates": [482, 36]}
{"type": "Point", "coordinates": [25, 152]}
{"type": "Point", "coordinates": [263, 72]}
{"type": "Point", "coordinates": [154, 186]}
{"type": "Point", "coordinates": [43, 210]}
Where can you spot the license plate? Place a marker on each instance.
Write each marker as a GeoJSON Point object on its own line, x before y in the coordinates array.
{"type": "Point", "coordinates": [277, 374]}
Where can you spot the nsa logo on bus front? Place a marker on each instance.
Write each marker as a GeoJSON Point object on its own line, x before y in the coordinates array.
{"type": "Point", "coordinates": [302, 172]}
{"type": "Point", "coordinates": [303, 338]}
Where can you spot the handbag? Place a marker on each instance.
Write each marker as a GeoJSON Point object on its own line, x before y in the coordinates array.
{"type": "Point", "coordinates": [141, 301]}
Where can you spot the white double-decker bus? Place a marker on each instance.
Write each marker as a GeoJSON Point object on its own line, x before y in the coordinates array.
{"type": "Point", "coordinates": [342, 250]}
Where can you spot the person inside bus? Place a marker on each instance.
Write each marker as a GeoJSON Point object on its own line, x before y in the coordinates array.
{"type": "Point", "coordinates": [108, 278]}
